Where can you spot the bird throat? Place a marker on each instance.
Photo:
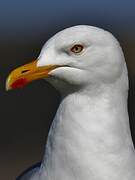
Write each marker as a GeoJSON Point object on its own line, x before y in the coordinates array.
{"type": "Point", "coordinates": [89, 138]}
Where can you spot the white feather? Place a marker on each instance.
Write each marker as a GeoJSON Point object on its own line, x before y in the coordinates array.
{"type": "Point", "coordinates": [90, 136]}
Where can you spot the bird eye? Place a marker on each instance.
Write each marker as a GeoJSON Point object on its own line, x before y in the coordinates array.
{"type": "Point", "coordinates": [77, 48]}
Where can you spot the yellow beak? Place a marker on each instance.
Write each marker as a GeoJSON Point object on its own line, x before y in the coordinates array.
{"type": "Point", "coordinates": [27, 73]}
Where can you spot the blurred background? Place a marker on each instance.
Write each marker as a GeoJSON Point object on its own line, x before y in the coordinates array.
{"type": "Point", "coordinates": [25, 26]}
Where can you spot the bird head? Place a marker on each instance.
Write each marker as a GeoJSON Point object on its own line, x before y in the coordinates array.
{"type": "Point", "coordinates": [77, 56]}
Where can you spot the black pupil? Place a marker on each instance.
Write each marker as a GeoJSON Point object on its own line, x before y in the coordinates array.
{"type": "Point", "coordinates": [78, 48]}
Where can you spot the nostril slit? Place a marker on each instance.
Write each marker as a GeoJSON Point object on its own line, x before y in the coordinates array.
{"type": "Point", "coordinates": [24, 71]}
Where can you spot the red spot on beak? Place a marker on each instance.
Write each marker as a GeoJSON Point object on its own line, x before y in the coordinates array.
{"type": "Point", "coordinates": [19, 83]}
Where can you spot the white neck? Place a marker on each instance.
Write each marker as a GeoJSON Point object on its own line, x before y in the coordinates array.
{"type": "Point", "coordinates": [90, 137]}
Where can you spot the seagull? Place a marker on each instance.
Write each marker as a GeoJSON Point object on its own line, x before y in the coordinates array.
{"type": "Point", "coordinates": [90, 137]}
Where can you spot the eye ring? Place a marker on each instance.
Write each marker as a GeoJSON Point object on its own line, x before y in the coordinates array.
{"type": "Point", "coordinates": [77, 48]}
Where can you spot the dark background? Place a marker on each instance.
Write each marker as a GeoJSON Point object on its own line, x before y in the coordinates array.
{"type": "Point", "coordinates": [26, 115]}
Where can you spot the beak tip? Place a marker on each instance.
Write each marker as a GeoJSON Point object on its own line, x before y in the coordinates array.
{"type": "Point", "coordinates": [7, 87]}
{"type": "Point", "coordinates": [8, 84]}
